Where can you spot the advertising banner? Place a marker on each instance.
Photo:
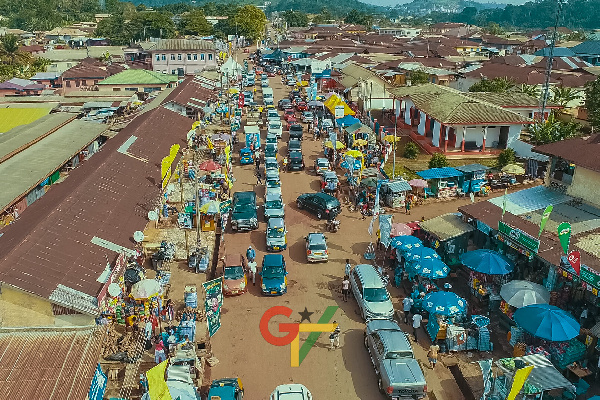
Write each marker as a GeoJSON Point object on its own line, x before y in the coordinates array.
{"type": "Point", "coordinates": [564, 235]}
{"type": "Point", "coordinates": [545, 218]}
{"type": "Point", "coordinates": [213, 304]}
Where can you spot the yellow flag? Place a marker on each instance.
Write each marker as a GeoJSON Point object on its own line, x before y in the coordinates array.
{"type": "Point", "coordinates": [173, 151]}
{"type": "Point", "coordinates": [209, 143]}
{"type": "Point", "coordinates": [165, 167]}
{"type": "Point", "coordinates": [157, 387]}
{"type": "Point", "coordinates": [518, 381]}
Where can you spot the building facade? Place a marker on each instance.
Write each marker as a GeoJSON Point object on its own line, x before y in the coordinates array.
{"type": "Point", "coordinates": [183, 56]}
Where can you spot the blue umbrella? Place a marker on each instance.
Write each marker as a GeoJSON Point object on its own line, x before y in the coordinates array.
{"type": "Point", "coordinates": [431, 268]}
{"type": "Point", "coordinates": [421, 253]}
{"type": "Point", "coordinates": [487, 262]}
{"type": "Point", "coordinates": [547, 322]}
{"type": "Point", "coordinates": [405, 242]}
{"type": "Point", "coordinates": [444, 303]}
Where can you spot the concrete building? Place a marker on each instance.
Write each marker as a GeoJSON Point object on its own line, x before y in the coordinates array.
{"type": "Point", "coordinates": [182, 56]}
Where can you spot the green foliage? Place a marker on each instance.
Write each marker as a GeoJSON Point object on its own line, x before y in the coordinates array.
{"type": "Point", "coordinates": [552, 130]}
{"type": "Point", "coordinates": [419, 77]}
{"type": "Point", "coordinates": [438, 160]}
{"type": "Point", "coordinates": [496, 85]}
{"type": "Point", "coordinates": [141, 26]}
{"type": "Point", "coordinates": [360, 18]}
{"type": "Point", "coordinates": [195, 23]}
{"type": "Point", "coordinates": [564, 95]}
{"type": "Point", "coordinates": [251, 22]}
{"type": "Point", "coordinates": [295, 18]}
{"type": "Point", "coordinates": [507, 156]}
{"type": "Point", "coordinates": [592, 102]}
{"type": "Point", "coordinates": [18, 64]}
{"type": "Point", "coordinates": [34, 15]}
{"type": "Point", "coordinates": [336, 9]}
{"type": "Point", "coordinates": [494, 29]}
{"type": "Point", "coordinates": [531, 90]}
{"type": "Point", "coordinates": [324, 17]}
{"type": "Point", "coordinates": [411, 151]}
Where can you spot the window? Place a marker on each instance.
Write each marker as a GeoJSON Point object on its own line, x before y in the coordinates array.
{"type": "Point", "coordinates": [131, 89]}
{"type": "Point", "coordinates": [189, 57]}
{"type": "Point", "coordinates": [377, 343]}
{"type": "Point", "coordinates": [95, 81]}
{"type": "Point", "coordinates": [201, 57]}
{"type": "Point", "coordinates": [195, 57]}
{"type": "Point", "coordinates": [163, 57]}
{"type": "Point", "coordinates": [172, 56]}
{"type": "Point", "coordinates": [116, 89]}
{"type": "Point", "coordinates": [158, 57]}
{"type": "Point", "coordinates": [173, 72]}
{"type": "Point", "coordinates": [210, 57]}
{"type": "Point", "coordinates": [68, 83]}
{"type": "Point", "coordinates": [77, 83]}
{"type": "Point", "coordinates": [179, 57]}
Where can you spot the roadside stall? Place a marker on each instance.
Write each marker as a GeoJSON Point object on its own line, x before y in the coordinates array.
{"type": "Point", "coordinates": [443, 182]}
{"type": "Point", "coordinates": [394, 192]}
{"type": "Point", "coordinates": [474, 179]}
{"type": "Point", "coordinates": [516, 294]}
{"type": "Point", "coordinates": [449, 235]}
{"type": "Point", "coordinates": [423, 266]}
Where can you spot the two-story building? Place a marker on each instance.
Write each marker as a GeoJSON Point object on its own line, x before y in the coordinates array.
{"type": "Point", "coordinates": [183, 56]}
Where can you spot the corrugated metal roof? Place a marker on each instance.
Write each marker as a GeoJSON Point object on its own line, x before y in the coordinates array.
{"type": "Point", "coordinates": [439, 173]}
{"type": "Point", "coordinates": [472, 168]}
{"type": "Point", "coordinates": [398, 186]}
{"type": "Point", "coordinates": [446, 226]}
{"type": "Point", "coordinates": [181, 44]}
{"type": "Point", "coordinates": [139, 77]}
{"type": "Point", "coordinates": [527, 200]}
{"type": "Point", "coordinates": [48, 363]}
{"type": "Point", "coordinates": [11, 117]}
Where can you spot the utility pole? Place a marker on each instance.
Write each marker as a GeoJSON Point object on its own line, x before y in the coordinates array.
{"type": "Point", "coordinates": [546, 91]}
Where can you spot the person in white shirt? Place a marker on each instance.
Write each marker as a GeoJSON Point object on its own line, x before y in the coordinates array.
{"type": "Point", "coordinates": [346, 287]}
{"type": "Point", "coordinates": [334, 337]}
{"type": "Point", "coordinates": [407, 304]}
{"type": "Point", "coordinates": [417, 318]}
{"type": "Point", "coordinates": [252, 270]}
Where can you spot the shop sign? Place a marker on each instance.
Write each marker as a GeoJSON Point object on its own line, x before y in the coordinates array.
{"type": "Point", "coordinates": [520, 237]}
{"type": "Point", "coordinates": [589, 276]}
{"type": "Point", "coordinates": [213, 304]}
{"type": "Point", "coordinates": [515, 246]}
{"type": "Point", "coordinates": [483, 227]}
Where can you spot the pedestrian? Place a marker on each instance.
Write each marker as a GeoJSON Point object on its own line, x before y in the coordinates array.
{"type": "Point", "coordinates": [250, 254]}
{"type": "Point", "coordinates": [348, 267]}
{"type": "Point", "coordinates": [334, 337]}
{"type": "Point", "coordinates": [172, 342]}
{"type": "Point", "coordinates": [346, 287]}
{"type": "Point", "coordinates": [257, 161]}
{"type": "Point", "coordinates": [258, 177]}
{"type": "Point", "coordinates": [432, 354]}
{"type": "Point", "coordinates": [285, 163]}
{"type": "Point", "coordinates": [407, 304]}
{"type": "Point", "coordinates": [417, 318]}
{"type": "Point", "coordinates": [407, 206]}
{"type": "Point", "coordinates": [252, 269]}
{"type": "Point", "coordinates": [159, 351]}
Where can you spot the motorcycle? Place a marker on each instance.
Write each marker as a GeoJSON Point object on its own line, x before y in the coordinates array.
{"type": "Point", "coordinates": [333, 226]}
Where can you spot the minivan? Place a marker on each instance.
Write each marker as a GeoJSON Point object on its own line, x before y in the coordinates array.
{"type": "Point", "coordinates": [371, 293]}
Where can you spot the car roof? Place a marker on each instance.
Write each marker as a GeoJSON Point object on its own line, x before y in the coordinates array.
{"type": "Point", "coordinates": [316, 237]}
{"type": "Point", "coordinates": [394, 341]}
{"type": "Point", "coordinates": [232, 260]}
{"type": "Point", "coordinates": [295, 154]}
{"type": "Point", "coordinates": [269, 196]}
{"type": "Point", "coordinates": [369, 276]}
{"type": "Point", "coordinates": [294, 140]}
{"type": "Point", "coordinates": [270, 159]}
{"type": "Point", "coordinates": [276, 223]}
{"type": "Point", "coordinates": [322, 160]}
{"type": "Point", "coordinates": [273, 260]}
{"type": "Point", "coordinates": [329, 174]}
{"type": "Point", "coordinates": [292, 391]}
{"type": "Point", "coordinates": [272, 173]}
{"type": "Point", "coordinates": [327, 197]}
{"type": "Point", "coordinates": [382, 324]}
{"type": "Point", "coordinates": [271, 144]}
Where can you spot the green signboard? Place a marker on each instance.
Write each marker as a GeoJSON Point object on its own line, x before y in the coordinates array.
{"type": "Point", "coordinates": [213, 304]}
{"type": "Point", "coordinates": [590, 277]}
{"type": "Point", "coordinates": [520, 237]}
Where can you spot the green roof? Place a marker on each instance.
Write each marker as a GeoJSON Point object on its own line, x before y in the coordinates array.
{"type": "Point", "coordinates": [139, 77]}
{"type": "Point", "coordinates": [11, 117]}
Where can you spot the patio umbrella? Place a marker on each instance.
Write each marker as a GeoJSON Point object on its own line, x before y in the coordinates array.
{"type": "Point", "coordinates": [209, 165]}
{"type": "Point", "coordinates": [405, 242]}
{"type": "Point", "coordinates": [513, 169]}
{"type": "Point", "coordinates": [418, 183]}
{"type": "Point", "coordinates": [421, 253]}
{"type": "Point", "coordinates": [338, 145]}
{"type": "Point", "coordinates": [399, 229]}
{"type": "Point", "coordinates": [524, 293]}
{"type": "Point", "coordinates": [145, 289]}
{"type": "Point", "coordinates": [354, 153]}
{"type": "Point", "coordinates": [392, 138]}
{"type": "Point", "coordinates": [369, 182]}
{"type": "Point", "coordinates": [360, 142]}
{"type": "Point", "coordinates": [487, 262]}
{"type": "Point", "coordinates": [210, 207]}
{"type": "Point", "coordinates": [547, 322]}
{"type": "Point", "coordinates": [444, 303]}
{"type": "Point", "coordinates": [431, 268]}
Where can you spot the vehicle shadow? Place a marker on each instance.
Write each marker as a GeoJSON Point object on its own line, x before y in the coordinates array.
{"type": "Point", "coordinates": [349, 308]}
{"type": "Point", "coordinates": [315, 185]}
{"type": "Point", "coordinates": [357, 362]}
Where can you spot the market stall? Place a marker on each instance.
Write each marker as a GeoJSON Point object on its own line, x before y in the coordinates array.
{"type": "Point", "coordinates": [394, 192]}
{"type": "Point", "coordinates": [443, 182]}
{"type": "Point", "coordinates": [423, 267]}
{"type": "Point", "coordinates": [448, 234]}
{"type": "Point", "coordinates": [473, 179]}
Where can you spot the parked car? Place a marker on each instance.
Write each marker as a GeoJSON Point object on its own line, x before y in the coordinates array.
{"type": "Point", "coordinates": [243, 211]}
{"type": "Point", "coordinates": [294, 145]}
{"type": "Point", "coordinates": [294, 93]}
{"type": "Point", "coordinates": [271, 138]}
{"type": "Point", "coordinates": [271, 164]}
{"type": "Point", "coordinates": [291, 391]}
{"type": "Point", "coordinates": [329, 181]}
{"type": "Point", "coordinates": [246, 156]}
{"type": "Point", "coordinates": [289, 113]}
{"type": "Point", "coordinates": [320, 204]}
{"type": "Point", "coordinates": [316, 247]}
{"type": "Point", "coordinates": [327, 123]}
{"type": "Point", "coordinates": [307, 116]}
{"type": "Point", "coordinates": [398, 372]}
{"type": "Point", "coordinates": [273, 115]}
{"type": "Point", "coordinates": [273, 275]}
{"type": "Point", "coordinates": [281, 103]}
{"type": "Point", "coordinates": [234, 274]}
{"type": "Point", "coordinates": [276, 234]}
{"type": "Point", "coordinates": [291, 82]}
{"type": "Point", "coordinates": [295, 161]}
{"type": "Point", "coordinates": [272, 179]}
{"type": "Point", "coordinates": [273, 190]}
{"type": "Point", "coordinates": [301, 106]}
{"type": "Point", "coordinates": [370, 293]}
{"type": "Point", "coordinates": [290, 121]}
{"type": "Point", "coordinates": [296, 131]}
{"type": "Point", "coordinates": [226, 389]}
{"type": "Point", "coordinates": [274, 127]}
{"type": "Point", "coordinates": [271, 150]}
{"type": "Point", "coordinates": [321, 165]}
{"type": "Point", "coordinates": [264, 83]}
{"type": "Point", "coordinates": [274, 207]}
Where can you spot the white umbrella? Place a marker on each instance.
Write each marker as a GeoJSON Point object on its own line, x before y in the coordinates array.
{"type": "Point", "coordinates": [145, 289]}
{"type": "Point", "coordinates": [523, 293]}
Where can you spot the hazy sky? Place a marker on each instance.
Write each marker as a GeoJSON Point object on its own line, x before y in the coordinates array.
{"type": "Point", "coordinates": [392, 3]}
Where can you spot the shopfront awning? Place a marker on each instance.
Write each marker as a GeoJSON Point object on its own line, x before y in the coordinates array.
{"type": "Point", "coordinates": [543, 375]}
{"type": "Point", "coordinates": [439, 173]}
{"type": "Point", "coordinates": [446, 226]}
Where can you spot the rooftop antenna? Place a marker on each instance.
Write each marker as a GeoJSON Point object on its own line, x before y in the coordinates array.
{"type": "Point", "coordinates": [546, 90]}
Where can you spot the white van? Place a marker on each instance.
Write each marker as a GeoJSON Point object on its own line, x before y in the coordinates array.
{"type": "Point", "coordinates": [274, 127]}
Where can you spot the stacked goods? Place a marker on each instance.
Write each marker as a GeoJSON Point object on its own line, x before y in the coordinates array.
{"type": "Point", "coordinates": [538, 350]}
{"type": "Point", "coordinates": [484, 342]}
{"type": "Point", "coordinates": [191, 299]}
{"type": "Point", "coordinates": [189, 313]}
{"type": "Point", "coordinates": [117, 347]}
{"type": "Point", "coordinates": [519, 350]}
{"type": "Point", "coordinates": [565, 353]}
{"type": "Point", "coordinates": [516, 335]}
{"type": "Point", "coordinates": [119, 314]}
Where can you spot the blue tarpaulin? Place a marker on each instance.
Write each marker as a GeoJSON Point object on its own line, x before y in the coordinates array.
{"type": "Point", "coordinates": [439, 173]}
{"type": "Point", "coordinates": [348, 120]}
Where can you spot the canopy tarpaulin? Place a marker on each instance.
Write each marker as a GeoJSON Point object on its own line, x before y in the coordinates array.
{"type": "Point", "coordinates": [157, 387]}
{"type": "Point", "coordinates": [334, 101]}
{"type": "Point", "coordinates": [348, 120]}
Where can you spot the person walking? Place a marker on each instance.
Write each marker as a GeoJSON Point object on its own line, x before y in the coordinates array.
{"type": "Point", "coordinates": [407, 304]}
{"type": "Point", "coordinates": [432, 354]}
{"type": "Point", "coordinates": [252, 269]}
{"type": "Point", "coordinates": [257, 160]}
{"type": "Point", "coordinates": [258, 177]}
{"type": "Point", "coordinates": [285, 163]}
{"type": "Point", "coordinates": [334, 337]}
{"type": "Point", "coordinates": [348, 267]}
{"type": "Point", "coordinates": [346, 287]}
{"type": "Point", "coordinates": [417, 318]}
{"type": "Point", "coordinates": [250, 254]}
{"type": "Point", "coordinates": [159, 351]}
{"type": "Point", "coordinates": [407, 206]}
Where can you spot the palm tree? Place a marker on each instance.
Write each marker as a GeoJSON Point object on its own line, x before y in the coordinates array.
{"type": "Point", "coordinates": [564, 95]}
{"type": "Point", "coordinates": [531, 90]}
{"type": "Point", "coordinates": [9, 51]}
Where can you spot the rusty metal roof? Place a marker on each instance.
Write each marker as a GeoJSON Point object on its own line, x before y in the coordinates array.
{"type": "Point", "coordinates": [105, 200]}
{"type": "Point", "coordinates": [48, 363]}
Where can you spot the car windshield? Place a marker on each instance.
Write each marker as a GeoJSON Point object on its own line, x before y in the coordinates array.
{"type": "Point", "coordinates": [273, 272]}
{"type": "Point", "coordinates": [317, 246]}
{"type": "Point", "coordinates": [393, 355]}
{"type": "Point", "coordinates": [277, 232]}
{"type": "Point", "coordinates": [376, 295]}
{"type": "Point", "coordinates": [233, 272]}
{"type": "Point", "coordinates": [274, 204]}
{"type": "Point", "coordinates": [271, 165]}
{"type": "Point", "coordinates": [274, 126]}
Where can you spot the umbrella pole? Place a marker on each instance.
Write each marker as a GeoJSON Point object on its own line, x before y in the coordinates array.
{"type": "Point", "coordinates": [394, 170]}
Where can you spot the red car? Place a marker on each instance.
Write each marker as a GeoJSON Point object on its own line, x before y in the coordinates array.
{"type": "Point", "coordinates": [302, 106]}
{"type": "Point", "coordinates": [289, 113]}
{"type": "Point", "coordinates": [291, 121]}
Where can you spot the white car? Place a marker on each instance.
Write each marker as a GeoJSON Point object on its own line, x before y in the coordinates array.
{"type": "Point", "coordinates": [273, 115]}
{"type": "Point", "coordinates": [274, 127]}
{"type": "Point", "coordinates": [291, 391]}
{"type": "Point", "coordinates": [327, 123]}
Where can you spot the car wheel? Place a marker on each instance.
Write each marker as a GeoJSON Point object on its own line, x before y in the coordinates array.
{"type": "Point", "coordinates": [319, 215]}
{"type": "Point", "coordinates": [299, 204]}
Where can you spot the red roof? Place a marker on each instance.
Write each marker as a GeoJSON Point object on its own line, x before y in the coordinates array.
{"type": "Point", "coordinates": [86, 70]}
{"type": "Point", "coordinates": [580, 151]}
{"type": "Point", "coordinates": [528, 75]}
{"type": "Point", "coordinates": [107, 197]}
{"type": "Point", "coordinates": [188, 91]}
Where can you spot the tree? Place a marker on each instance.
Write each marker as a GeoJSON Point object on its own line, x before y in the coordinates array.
{"type": "Point", "coordinates": [494, 29]}
{"type": "Point", "coordinates": [438, 160]}
{"type": "Point", "coordinates": [552, 130]}
{"type": "Point", "coordinates": [195, 23]}
{"type": "Point", "coordinates": [411, 151]}
{"type": "Point", "coordinates": [419, 77]}
{"type": "Point", "coordinates": [507, 156]}
{"type": "Point", "coordinates": [592, 102]}
{"type": "Point", "coordinates": [295, 18]}
{"type": "Point", "coordinates": [531, 90]}
{"type": "Point", "coordinates": [467, 16]}
{"type": "Point", "coordinates": [496, 85]}
{"type": "Point", "coordinates": [322, 18]}
{"type": "Point", "coordinates": [251, 22]}
{"type": "Point", "coordinates": [564, 95]}
{"type": "Point", "coordinates": [357, 17]}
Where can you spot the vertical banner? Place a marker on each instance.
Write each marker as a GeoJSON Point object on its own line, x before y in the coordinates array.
{"type": "Point", "coordinates": [545, 218]}
{"type": "Point", "coordinates": [98, 386]}
{"type": "Point", "coordinates": [213, 304]}
{"type": "Point", "coordinates": [385, 229]}
{"type": "Point", "coordinates": [486, 371]}
{"type": "Point", "coordinates": [157, 387]}
{"type": "Point", "coordinates": [504, 202]}
{"type": "Point", "coordinates": [564, 235]}
{"type": "Point", "coordinates": [377, 190]}
{"type": "Point", "coordinates": [518, 382]}
{"type": "Point", "coordinates": [575, 260]}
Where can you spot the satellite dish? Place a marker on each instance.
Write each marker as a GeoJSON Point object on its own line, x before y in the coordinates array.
{"type": "Point", "coordinates": [114, 289]}
{"type": "Point", "coordinates": [138, 236]}
{"type": "Point", "coordinates": [152, 215]}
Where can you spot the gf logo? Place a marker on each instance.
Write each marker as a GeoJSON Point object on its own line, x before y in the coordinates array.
{"type": "Point", "coordinates": [297, 353]}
